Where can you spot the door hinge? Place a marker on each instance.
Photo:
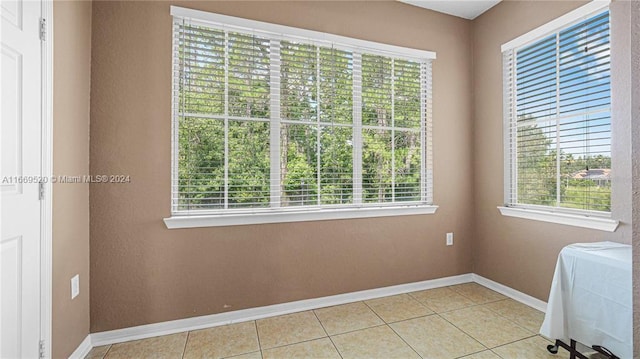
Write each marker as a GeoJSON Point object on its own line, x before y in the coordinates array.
{"type": "Point", "coordinates": [43, 29]}
{"type": "Point", "coordinates": [41, 191]}
{"type": "Point", "coordinates": [41, 349]}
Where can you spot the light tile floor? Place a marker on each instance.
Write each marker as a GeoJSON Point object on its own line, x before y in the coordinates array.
{"type": "Point", "coordinates": [461, 321]}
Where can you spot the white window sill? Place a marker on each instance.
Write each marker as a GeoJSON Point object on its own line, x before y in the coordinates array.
{"type": "Point", "coordinates": [602, 224]}
{"type": "Point", "coordinates": [216, 220]}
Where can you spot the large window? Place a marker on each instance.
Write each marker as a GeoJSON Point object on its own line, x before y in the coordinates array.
{"type": "Point", "coordinates": [267, 121]}
{"type": "Point", "coordinates": [558, 119]}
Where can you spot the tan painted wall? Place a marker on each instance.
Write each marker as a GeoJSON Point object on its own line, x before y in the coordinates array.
{"type": "Point", "coordinates": [517, 252]}
{"type": "Point", "coordinates": [72, 73]}
{"type": "Point", "coordinates": [142, 272]}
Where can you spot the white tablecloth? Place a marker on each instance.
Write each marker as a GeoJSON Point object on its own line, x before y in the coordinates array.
{"type": "Point", "coordinates": [590, 298]}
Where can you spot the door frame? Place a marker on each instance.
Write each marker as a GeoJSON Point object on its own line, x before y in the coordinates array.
{"type": "Point", "coordinates": [46, 208]}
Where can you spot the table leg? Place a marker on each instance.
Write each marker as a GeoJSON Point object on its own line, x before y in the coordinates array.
{"type": "Point", "coordinates": [572, 349]}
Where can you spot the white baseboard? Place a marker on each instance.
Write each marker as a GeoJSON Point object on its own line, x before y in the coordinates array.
{"type": "Point", "coordinates": [243, 315]}
{"type": "Point", "coordinates": [83, 349]}
{"type": "Point", "coordinates": [214, 320]}
{"type": "Point", "coordinates": [526, 299]}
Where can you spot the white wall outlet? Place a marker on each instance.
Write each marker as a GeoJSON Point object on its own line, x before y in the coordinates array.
{"type": "Point", "coordinates": [75, 286]}
{"type": "Point", "coordinates": [450, 238]}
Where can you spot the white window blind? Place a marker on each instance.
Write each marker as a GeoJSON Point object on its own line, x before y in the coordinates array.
{"type": "Point", "coordinates": [266, 120]}
{"type": "Point", "coordinates": [557, 108]}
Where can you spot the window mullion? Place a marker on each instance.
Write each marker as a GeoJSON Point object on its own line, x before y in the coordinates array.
{"type": "Point", "coordinates": [509, 124]}
{"type": "Point", "coordinates": [393, 132]}
{"type": "Point", "coordinates": [178, 86]}
{"type": "Point", "coordinates": [318, 107]}
{"type": "Point", "coordinates": [226, 120]}
{"type": "Point", "coordinates": [426, 146]}
{"type": "Point", "coordinates": [357, 128]}
{"type": "Point", "coordinates": [275, 132]}
{"type": "Point", "coordinates": [558, 177]}
{"type": "Point", "coordinates": [514, 130]}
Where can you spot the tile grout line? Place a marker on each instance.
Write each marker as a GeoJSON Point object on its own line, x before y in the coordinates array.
{"type": "Point", "coordinates": [327, 333]}
{"type": "Point", "coordinates": [352, 330]}
{"type": "Point", "coordinates": [290, 344]}
{"type": "Point", "coordinates": [239, 355]}
{"type": "Point", "coordinates": [474, 353]}
{"type": "Point", "coordinates": [404, 341]}
{"type": "Point", "coordinates": [475, 304]}
{"type": "Point", "coordinates": [509, 319]}
{"type": "Point", "coordinates": [255, 325]}
{"type": "Point", "coordinates": [389, 326]}
{"type": "Point", "coordinates": [452, 310]}
{"type": "Point", "coordinates": [184, 348]}
{"type": "Point", "coordinates": [515, 341]}
{"type": "Point", "coordinates": [460, 329]}
{"type": "Point", "coordinates": [103, 355]}
{"type": "Point", "coordinates": [374, 312]}
{"type": "Point", "coordinates": [404, 320]}
{"type": "Point", "coordinates": [480, 285]}
{"type": "Point", "coordinates": [408, 319]}
{"type": "Point", "coordinates": [497, 346]}
{"type": "Point", "coordinates": [357, 330]}
{"type": "Point", "coordinates": [302, 341]}
{"type": "Point", "coordinates": [419, 303]}
{"type": "Point", "coordinates": [107, 352]}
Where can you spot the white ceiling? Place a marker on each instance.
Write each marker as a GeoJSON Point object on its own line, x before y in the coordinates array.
{"type": "Point", "coordinates": [468, 9]}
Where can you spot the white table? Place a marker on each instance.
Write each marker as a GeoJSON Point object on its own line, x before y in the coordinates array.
{"type": "Point", "coordinates": [590, 298]}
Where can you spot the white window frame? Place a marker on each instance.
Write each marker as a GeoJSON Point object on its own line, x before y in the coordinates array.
{"type": "Point", "coordinates": [578, 218]}
{"type": "Point", "coordinates": [186, 219]}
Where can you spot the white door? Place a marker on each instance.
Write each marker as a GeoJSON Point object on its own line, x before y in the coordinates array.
{"type": "Point", "coordinates": [20, 164]}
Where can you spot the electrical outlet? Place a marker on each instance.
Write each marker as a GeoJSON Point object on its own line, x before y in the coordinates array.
{"type": "Point", "coordinates": [75, 286]}
{"type": "Point", "coordinates": [450, 238]}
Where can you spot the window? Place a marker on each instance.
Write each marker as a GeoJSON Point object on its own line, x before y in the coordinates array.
{"type": "Point", "coordinates": [557, 108]}
{"type": "Point", "coordinates": [269, 119]}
